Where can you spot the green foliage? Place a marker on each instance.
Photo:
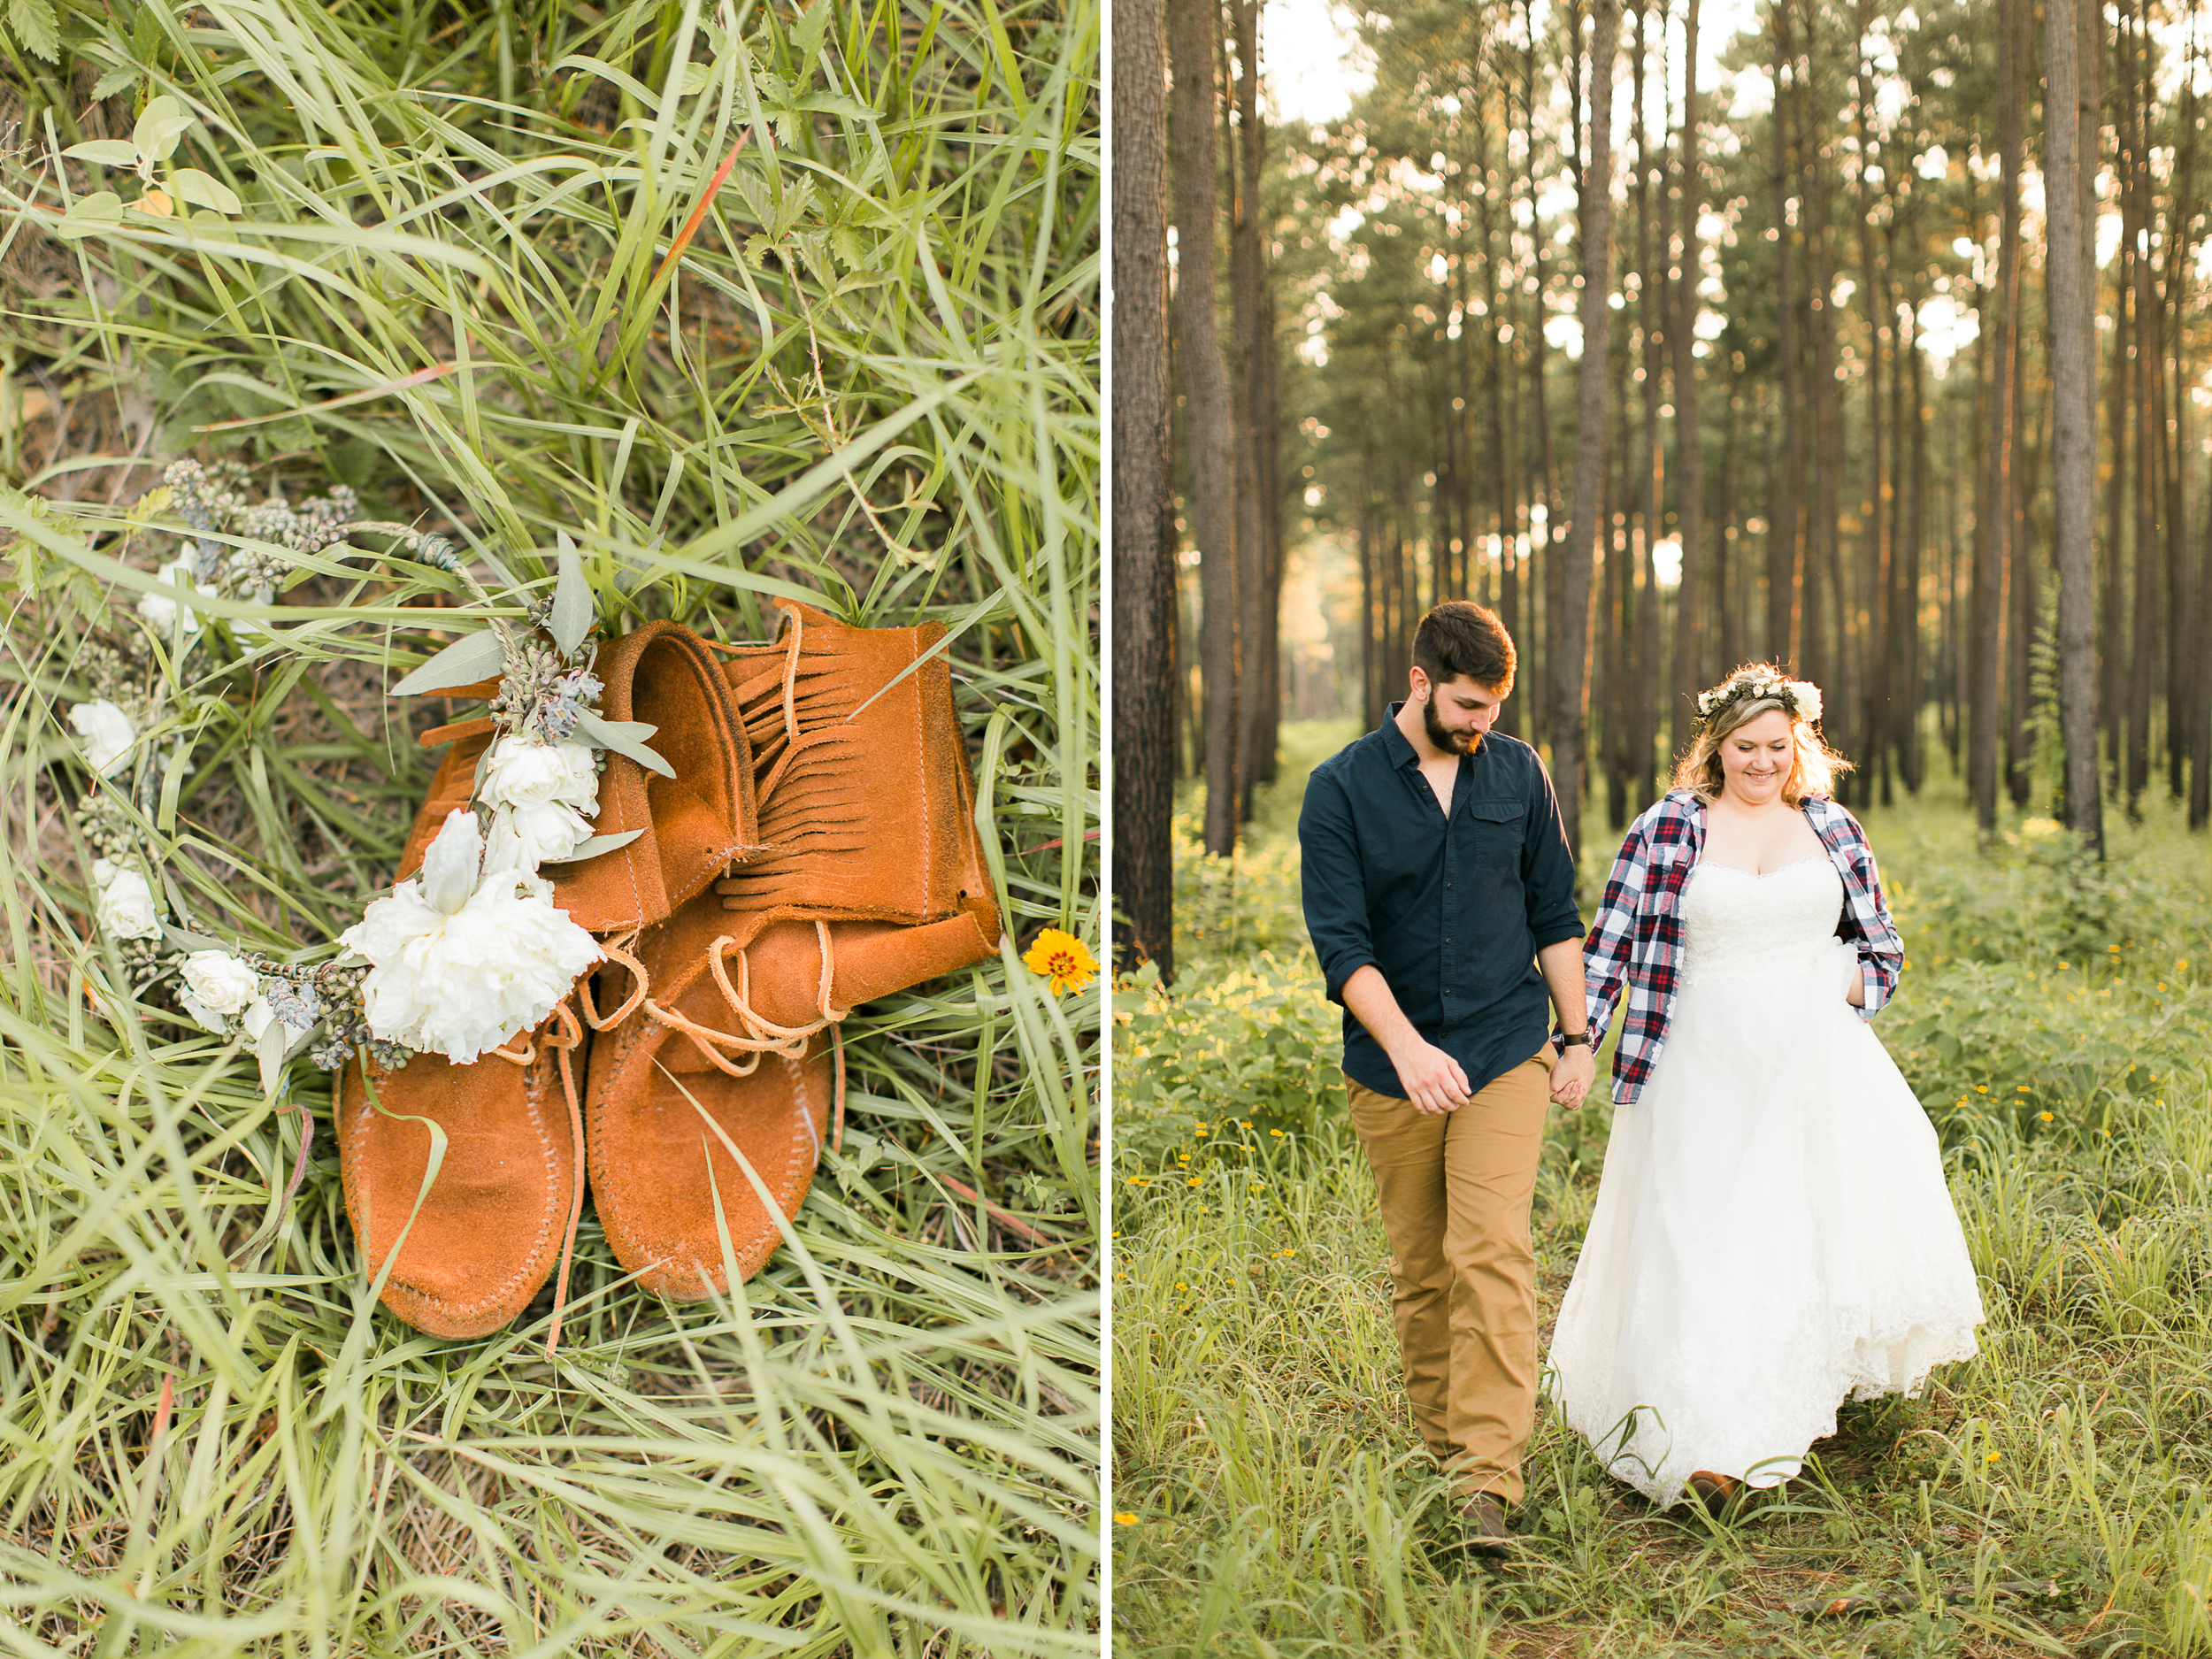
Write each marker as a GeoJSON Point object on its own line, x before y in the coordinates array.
{"type": "Point", "coordinates": [1257, 1044]}
{"type": "Point", "coordinates": [459, 281]}
{"type": "Point", "coordinates": [2050, 1495]}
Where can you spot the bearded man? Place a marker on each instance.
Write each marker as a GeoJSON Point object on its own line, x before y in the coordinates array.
{"type": "Point", "coordinates": [1440, 897]}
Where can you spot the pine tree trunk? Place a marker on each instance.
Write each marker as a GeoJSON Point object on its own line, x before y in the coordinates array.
{"type": "Point", "coordinates": [1571, 665]}
{"type": "Point", "coordinates": [1689, 440]}
{"type": "Point", "coordinates": [2112, 636]}
{"type": "Point", "coordinates": [1785, 527]}
{"type": "Point", "coordinates": [1144, 654]}
{"type": "Point", "coordinates": [1208, 422]}
{"type": "Point", "coordinates": [1542, 561]}
{"type": "Point", "coordinates": [1995, 550]}
{"type": "Point", "coordinates": [1912, 674]}
{"type": "Point", "coordinates": [1821, 542]}
{"type": "Point", "coordinates": [1247, 280]}
{"type": "Point", "coordinates": [1650, 496]}
{"type": "Point", "coordinates": [1270, 452]}
{"type": "Point", "coordinates": [1868, 608]}
{"type": "Point", "coordinates": [1732, 572]}
{"type": "Point", "coordinates": [2150, 333]}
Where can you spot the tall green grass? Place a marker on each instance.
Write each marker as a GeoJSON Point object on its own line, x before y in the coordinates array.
{"type": "Point", "coordinates": [2048, 1497]}
{"type": "Point", "coordinates": [866, 380]}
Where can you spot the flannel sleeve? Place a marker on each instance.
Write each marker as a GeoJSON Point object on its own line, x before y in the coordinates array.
{"type": "Point", "coordinates": [1612, 936]}
{"type": "Point", "coordinates": [1333, 883]}
{"type": "Point", "coordinates": [1867, 923]}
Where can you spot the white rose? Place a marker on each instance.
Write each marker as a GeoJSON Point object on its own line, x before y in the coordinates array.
{"type": "Point", "coordinates": [106, 732]}
{"type": "Point", "coordinates": [125, 907]}
{"type": "Point", "coordinates": [526, 772]}
{"type": "Point", "coordinates": [223, 983]}
{"type": "Point", "coordinates": [1808, 695]}
{"type": "Point", "coordinates": [461, 964]}
{"type": "Point", "coordinates": [161, 611]}
{"type": "Point", "coordinates": [523, 838]}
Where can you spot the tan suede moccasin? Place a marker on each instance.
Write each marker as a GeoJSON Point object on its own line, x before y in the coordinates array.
{"type": "Point", "coordinates": [476, 1241]}
{"type": "Point", "coordinates": [870, 879]}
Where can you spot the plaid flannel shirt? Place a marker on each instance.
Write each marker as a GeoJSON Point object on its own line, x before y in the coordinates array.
{"type": "Point", "coordinates": [1634, 947]}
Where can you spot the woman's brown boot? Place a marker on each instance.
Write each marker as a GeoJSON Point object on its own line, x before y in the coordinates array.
{"type": "Point", "coordinates": [470, 1245]}
{"type": "Point", "coordinates": [870, 879]}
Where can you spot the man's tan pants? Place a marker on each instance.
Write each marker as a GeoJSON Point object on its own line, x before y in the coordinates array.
{"type": "Point", "coordinates": [1454, 1189]}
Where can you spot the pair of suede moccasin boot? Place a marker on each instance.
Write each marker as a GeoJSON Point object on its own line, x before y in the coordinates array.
{"type": "Point", "coordinates": [815, 849]}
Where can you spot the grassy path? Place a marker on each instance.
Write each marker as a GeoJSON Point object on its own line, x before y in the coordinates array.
{"type": "Point", "coordinates": [2048, 1497]}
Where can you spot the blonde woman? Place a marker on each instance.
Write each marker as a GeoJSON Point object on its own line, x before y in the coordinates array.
{"type": "Point", "coordinates": [1772, 1232]}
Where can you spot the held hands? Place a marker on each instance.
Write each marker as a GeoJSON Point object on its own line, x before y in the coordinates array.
{"type": "Point", "coordinates": [1433, 1082]}
{"type": "Point", "coordinates": [1571, 1075]}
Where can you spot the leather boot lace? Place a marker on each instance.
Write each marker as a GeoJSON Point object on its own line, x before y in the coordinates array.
{"type": "Point", "coordinates": [564, 1041]}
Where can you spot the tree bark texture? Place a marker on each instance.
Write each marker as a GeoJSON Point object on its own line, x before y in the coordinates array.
{"type": "Point", "coordinates": [1689, 440]}
{"type": "Point", "coordinates": [1247, 283]}
{"type": "Point", "coordinates": [1209, 425]}
{"type": "Point", "coordinates": [1571, 665]}
{"type": "Point", "coordinates": [1144, 654]}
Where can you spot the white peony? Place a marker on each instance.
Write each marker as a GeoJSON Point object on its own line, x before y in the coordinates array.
{"type": "Point", "coordinates": [125, 907]}
{"type": "Point", "coordinates": [106, 732]}
{"type": "Point", "coordinates": [541, 794]}
{"type": "Point", "coordinates": [462, 962]}
{"type": "Point", "coordinates": [528, 772]}
{"type": "Point", "coordinates": [1807, 695]}
{"type": "Point", "coordinates": [217, 983]}
{"type": "Point", "coordinates": [161, 611]}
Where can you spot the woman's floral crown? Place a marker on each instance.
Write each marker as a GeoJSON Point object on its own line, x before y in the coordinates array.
{"type": "Point", "coordinates": [1800, 698]}
{"type": "Point", "coordinates": [413, 974]}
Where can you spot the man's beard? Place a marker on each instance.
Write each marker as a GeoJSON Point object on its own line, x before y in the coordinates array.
{"type": "Point", "coordinates": [1450, 742]}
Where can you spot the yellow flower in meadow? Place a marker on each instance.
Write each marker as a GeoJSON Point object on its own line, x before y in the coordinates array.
{"type": "Point", "coordinates": [1064, 959]}
{"type": "Point", "coordinates": [1123, 1517]}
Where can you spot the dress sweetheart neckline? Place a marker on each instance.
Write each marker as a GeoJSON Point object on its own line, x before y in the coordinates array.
{"type": "Point", "coordinates": [1761, 875]}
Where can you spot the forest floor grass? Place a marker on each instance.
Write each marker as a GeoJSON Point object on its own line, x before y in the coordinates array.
{"type": "Point", "coordinates": [2046, 1497]}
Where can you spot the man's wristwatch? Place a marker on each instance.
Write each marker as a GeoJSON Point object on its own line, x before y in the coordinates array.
{"type": "Point", "coordinates": [1574, 1039]}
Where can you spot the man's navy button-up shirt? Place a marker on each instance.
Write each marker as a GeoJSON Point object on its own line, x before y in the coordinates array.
{"type": "Point", "coordinates": [1451, 910]}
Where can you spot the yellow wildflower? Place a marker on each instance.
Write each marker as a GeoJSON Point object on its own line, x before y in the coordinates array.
{"type": "Point", "coordinates": [1061, 958]}
{"type": "Point", "coordinates": [1123, 1517]}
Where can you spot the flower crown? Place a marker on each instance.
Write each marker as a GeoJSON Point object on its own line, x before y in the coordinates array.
{"type": "Point", "coordinates": [1800, 698]}
{"type": "Point", "coordinates": [400, 980]}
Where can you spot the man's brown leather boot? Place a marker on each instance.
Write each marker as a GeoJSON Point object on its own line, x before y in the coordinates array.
{"type": "Point", "coordinates": [870, 879]}
{"type": "Point", "coordinates": [501, 1210]}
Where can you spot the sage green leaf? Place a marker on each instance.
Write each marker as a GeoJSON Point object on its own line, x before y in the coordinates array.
{"type": "Point", "coordinates": [159, 127]}
{"type": "Point", "coordinates": [625, 738]}
{"type": "Point", "coordinates": [470, 658]}
{"type": "Point", "coordinates": [572, 599]}
{"type": "Point", "coordinates": [33, 23]}
{"type": "Point", "coordinates": [202, 189]}
{"type": "Point", "coordinates": [112, 82]}
{"type": "Point", "coordinates": [596, 845]}
{"type": "Point", "coordinates": [109, 152]}
{"type": "Point", "coordinates": [88, 214]}
{"type": "Point", "coordinates": [271, 1048]}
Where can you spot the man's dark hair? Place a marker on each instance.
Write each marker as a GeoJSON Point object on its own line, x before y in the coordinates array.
{"type": "Point", "coordinates": [1461, 637]}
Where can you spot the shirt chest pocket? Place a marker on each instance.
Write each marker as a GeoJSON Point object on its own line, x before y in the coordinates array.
{"type": "Point", "coordinates": [1495, 827]}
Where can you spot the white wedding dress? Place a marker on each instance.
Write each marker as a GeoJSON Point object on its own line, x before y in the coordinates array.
{"type": "Point", "coordinates": [1772, 1232]}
